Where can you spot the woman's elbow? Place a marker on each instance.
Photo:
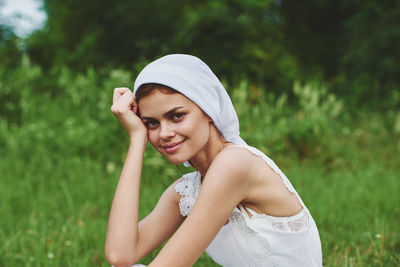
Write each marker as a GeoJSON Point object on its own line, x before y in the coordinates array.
{"type": "Point", "coordinates": [118, 259]}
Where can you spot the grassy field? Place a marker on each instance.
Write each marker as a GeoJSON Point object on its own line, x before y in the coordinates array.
{"type": "Point", "coordinates": [59, 169]}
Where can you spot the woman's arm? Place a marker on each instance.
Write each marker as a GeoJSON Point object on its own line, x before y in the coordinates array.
{"type": "Point", "coordinates": [122, 230]}
{"type": "Point", "coordinates": [127, 241]}
{"type": "Point", "coordinates": [222, 190]}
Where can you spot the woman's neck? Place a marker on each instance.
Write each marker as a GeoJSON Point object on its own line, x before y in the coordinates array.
{"type": "Point", "coordinates": [202, 160]}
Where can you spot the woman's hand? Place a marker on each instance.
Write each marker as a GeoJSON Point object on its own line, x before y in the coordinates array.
{"type": "Point", "coordinates": [124, 108]}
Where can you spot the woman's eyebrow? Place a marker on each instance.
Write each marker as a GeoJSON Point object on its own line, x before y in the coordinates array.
{"type": "Point", "coordinates": [166, 114]}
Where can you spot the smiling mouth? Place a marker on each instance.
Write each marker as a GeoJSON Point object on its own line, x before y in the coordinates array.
{"type": "Point", "coordinates": [172, 148]}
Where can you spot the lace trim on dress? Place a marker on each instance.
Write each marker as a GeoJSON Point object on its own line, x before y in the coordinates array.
{"type": "Point", "coordinates": [295, 223]}
{"type": "Point", "coordinates": [189, 189]}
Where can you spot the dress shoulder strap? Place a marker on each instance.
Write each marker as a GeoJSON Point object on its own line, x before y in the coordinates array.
{"type": "Point", "coordinates": [244, 210]}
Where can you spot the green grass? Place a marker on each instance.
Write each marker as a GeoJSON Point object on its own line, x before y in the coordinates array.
{"type": "Point", "coordinates": [54, 209]}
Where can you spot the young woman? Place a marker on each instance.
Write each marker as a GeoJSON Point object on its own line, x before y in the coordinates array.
{"type": "Point", "coordinates": [238, 206]}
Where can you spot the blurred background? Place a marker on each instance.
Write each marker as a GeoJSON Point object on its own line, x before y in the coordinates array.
{"type": "Point", "coordinates": [316, 85]}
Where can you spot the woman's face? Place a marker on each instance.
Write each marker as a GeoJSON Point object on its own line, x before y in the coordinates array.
{"type": "Point", "coordinates": [176, 126]}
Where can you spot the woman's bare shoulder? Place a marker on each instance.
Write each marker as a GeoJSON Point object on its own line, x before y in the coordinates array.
{"type": "Point", "coordinates": [232, 164]}
{"type": "Point", "coordinates": [242, 161]}
{"type": "Point", "coordinates": [171, 194]}
{"type": "Point", "coordinates": [237, 157]}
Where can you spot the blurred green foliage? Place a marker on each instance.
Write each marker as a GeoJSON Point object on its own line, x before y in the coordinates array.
{"type": "Point", "coordinates": [79, 110]}
{"type": "Point", "coordinates": [352, 46]}
{"type": "Point", "coordinates": [10, 58]}
{"type": "Point", "coordinates": [10, 54]}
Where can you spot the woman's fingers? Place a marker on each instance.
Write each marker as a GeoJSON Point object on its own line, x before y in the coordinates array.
{"type": "Point", "coordinates": [123, 103]}
{"type": "Point", "coordinates": [124, 108]}
{"type": "Point", "coordinates": [118, 92]}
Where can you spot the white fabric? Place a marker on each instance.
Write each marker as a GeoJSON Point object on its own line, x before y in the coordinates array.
{"type": "Point", "coordinates": [191, 77]}
{"type": "Point", "coordinates": [189, 188]}
{"type": "Point", "coordinates": [259, 240]}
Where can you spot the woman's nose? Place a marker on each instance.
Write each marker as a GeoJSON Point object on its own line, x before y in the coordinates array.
{"type": "Point", "coordinates": [166, 131]}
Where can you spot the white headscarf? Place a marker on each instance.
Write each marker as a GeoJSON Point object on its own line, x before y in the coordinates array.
{"type": "Point", "coordinates": [191, 77]}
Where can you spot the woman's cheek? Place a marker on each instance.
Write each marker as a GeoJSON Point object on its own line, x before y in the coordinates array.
{"type": "Point", "coordinates": [152, 136]}
{"type": "Point", "coordinates": [190, 125]}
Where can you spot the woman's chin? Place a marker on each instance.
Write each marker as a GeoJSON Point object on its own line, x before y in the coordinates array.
{"type": "Point", "coordinates": [177, 161]}
{"type": "Point", "coordinates": [175, 158]}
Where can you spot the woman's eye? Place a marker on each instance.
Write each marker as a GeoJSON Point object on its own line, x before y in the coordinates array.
{"type": "Point", "coordinates": [151, 124]}
{"type": "Point", "coordinates": [177, 116]}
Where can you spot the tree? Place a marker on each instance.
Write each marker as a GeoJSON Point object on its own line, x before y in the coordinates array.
{"type": "Point", "coordinates": [354, 45]}
{"type": "Point", "coordinates": [10, 54]}
{"type": "Point", "coordinates": [237, 38]}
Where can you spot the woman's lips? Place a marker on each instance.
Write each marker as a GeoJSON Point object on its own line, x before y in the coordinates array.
{"type": "Point", "coordinates": [172, 148]}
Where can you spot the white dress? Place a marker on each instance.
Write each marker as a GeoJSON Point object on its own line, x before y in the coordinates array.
{"type": "Point", "coordinates": [259, 240]}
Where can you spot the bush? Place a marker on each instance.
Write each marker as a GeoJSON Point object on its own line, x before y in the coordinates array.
{"type": "Point", "coordinates": [273, 124]}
